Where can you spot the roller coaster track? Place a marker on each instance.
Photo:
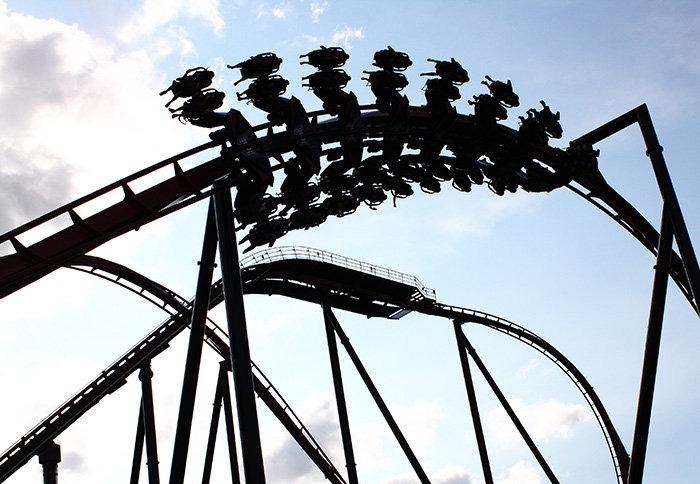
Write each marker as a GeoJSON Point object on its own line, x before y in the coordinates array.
{"type": "Point", "coordinates": [114, 376]}
{"type": "Point", "coordinates": [179, 309]}
{"type": "Point", "coordinates": [64, 236]}
{"type": "Point", "coordinates": [50, 241]}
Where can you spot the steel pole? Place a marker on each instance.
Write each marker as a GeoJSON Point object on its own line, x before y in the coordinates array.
{"type": "Point", "coordinates": [194, 351]}
{"type": "Point", "coordinates": [149, 421]}
{"type": "Point", "coordinates": [340, 397]}
{"type": "Point", "coordinates": [138, 448]}
{"type": "Point", "coordinates": [213, 427]}
{"type": "Point", "coordinates": [651, 351]}
{"type": "Point", "coordinates": [641, 116]}
{"type": "Point", "coordinates": [251, 450]}
{"type": "Point", "coordinates": [476, 419]}
{"type": "Point", "coordinates": [418, 469]}
{"type": "Point", "coordinates": [230, 429]}
{"type": "Point", "coordinates": [509, 410]}
{"type": "Point", "coordinates": [49, 458]}
{"type": "Point", "coordinates": [671, 205]}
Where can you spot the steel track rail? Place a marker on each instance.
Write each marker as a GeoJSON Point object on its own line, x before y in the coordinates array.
{"type": "Point", "coordinates": [32, 260]}
{"type": "Point", "coordinates": [43, 433]}
{"type": "Point", "coordinates": [114, 376]}
{"type": "Point", "coordinates": [617, 449]}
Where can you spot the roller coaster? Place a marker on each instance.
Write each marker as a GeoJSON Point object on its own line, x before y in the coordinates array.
{"type": "Point", "coordinates": [421, 146]}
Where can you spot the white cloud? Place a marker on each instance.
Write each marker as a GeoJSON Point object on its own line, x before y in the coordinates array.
{"type": "Point", "coordinates": [418, 423]}
{"type": "Point", "coordinates": [492, 210]}
{"type": "Point", "coordinates": [279, 11]}
{"type": "Point", "coordinates": [368, 443]}
{"type": "Point", "coordinates": [285, 461]}
{"type": "Point", "coordinates": [157, 13]}
{"type": "Point", "coordinates": [532, 365]}
{"type": "Point", "coordinates": [288, 464]}
{"type": "Point", "coordinates": [543, 421]}
{"type": "Point", "coordinates": [450, 474]}
{"type": "Point", "coordinates": [344, 36]}
{"type": "Point", "coordinates": [521, 473]}
{"type": "Point", "coordinates": [77, 114]}
{"type": "Point", "coordinates": [317, 9]}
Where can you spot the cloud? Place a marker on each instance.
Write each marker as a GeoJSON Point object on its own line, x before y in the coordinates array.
{"type": "Point", "coordinates": [492, 210]}
{"type": "Point", "coordinates": [279, 11]}
{"type": "Point", "coordinates": [285, 461]}
{"type": "Point", "coordinates": [543, 421]}
{"type": "Point", "coordinates": [368, 443]}
{"type": "Point", "coordinates": [317, 9]}
{"type": "Point", "coordinates": [344, 35]}
{"type": "Point", "coordinates": [36, 383]}
{"type": "Point", "coordinates": [418, 423]}
{"type": "Point", "coordinates": [450, 474]}
{"type": "Point", "coordinates": [533, 365]}
{"type": "Point", "coordinates": [157, 13]}
{"type": "Point", "coordinates": [521, 473]}
{"type": "Point", "coordinates": [77, 113]}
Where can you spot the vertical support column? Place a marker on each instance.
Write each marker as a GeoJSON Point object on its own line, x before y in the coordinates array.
{"type": "Point", "coordinates": [213, 428]}
{"type": "Point", "coordinates": [340, 397]}
{"type": "Point", "coordinates": [238, 334]}
{"type": "Point", "coordinates": [149, 421]}
{"type": "Point", "coordinates": [418, 469]}
{"type": "Point", "coordinates": [230, 429]}
{"type": "Point", "coordinates": [509, 410]}
{"type": "Point", "coordinates": [138, 448]}
{"type": "Point", "coordinates": [476, 419]}
{"type": "Point", "coordinates": [49, 458]}
{"type": "Point", "coordinates": [651, 351]}
{"type": "Point", "coordinates": [222, 395]}
{"type": "Point", "coordinates": [194, 350]}
{"type": "Point", "coordinates": [671, 206]}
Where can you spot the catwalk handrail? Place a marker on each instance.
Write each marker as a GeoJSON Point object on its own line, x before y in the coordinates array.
{"type": "Point", "coordinates": [308, 253]}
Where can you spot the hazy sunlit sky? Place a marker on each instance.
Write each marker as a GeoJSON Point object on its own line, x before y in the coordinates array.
{"type": "Point", "coordinates": [79, 108]}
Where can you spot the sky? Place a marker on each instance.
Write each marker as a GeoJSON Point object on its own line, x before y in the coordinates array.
{"type": "Point", "coordinates": [79, 84]}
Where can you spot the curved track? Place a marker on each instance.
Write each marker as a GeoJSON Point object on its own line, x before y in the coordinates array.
{"type": "Point", "coordinates": [75, 229]}
{"type": "Point", "coordinates": [396, 136]}
{"type": "Point", "coordinates": [302, 273]}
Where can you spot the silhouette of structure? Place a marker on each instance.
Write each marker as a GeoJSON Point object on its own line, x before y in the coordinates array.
{"type": "Point", "coordinates": [407, 146]}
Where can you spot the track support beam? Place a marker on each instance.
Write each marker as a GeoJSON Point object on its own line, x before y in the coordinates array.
{"type": "Point", "coordinates": [418, 469]}
{"type": "Point", "coordinates": [194, 350]}
{"type": "Point", "coordinates": [138, 449]}
{"type": "Point", "coordinates": [222, 396]}
{"type": "Point", "coordinates": [340, 396]}
{"type": "Point", "coordinates": [249, 428]}
{"type": "Point", "coordinates": [471, 395]}
{"type": "Point", "coordinates": [509, 410]}
{"type": "Point", "coordinates": [149, 422]}
{"type": "Point", "coordinates": [651, 351]}
{"type": "Point", "coordinates": [49, 459]}
{"type": "Point", "coordinates": [654, 151]}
